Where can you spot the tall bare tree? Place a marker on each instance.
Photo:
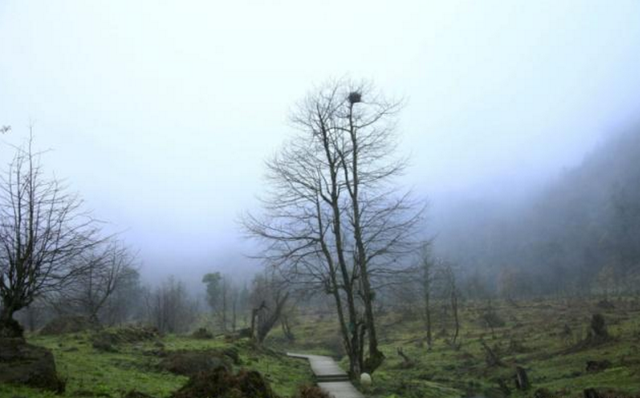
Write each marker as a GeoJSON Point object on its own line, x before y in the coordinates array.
{"type": "Point", "coordinates": [334, 219]}
{"type": "Point", "coordinates": [43, 231]}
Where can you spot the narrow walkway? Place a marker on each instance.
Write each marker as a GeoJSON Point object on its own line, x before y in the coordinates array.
{"type": "Point", "coordinates": [329, 376]}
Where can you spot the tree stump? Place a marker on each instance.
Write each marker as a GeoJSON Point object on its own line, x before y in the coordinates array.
{"type": "Point", "coordinates": [599, 328]}
{"type": "Point", "coordinates": [522, 380]}
{"type": "Point", "coordinates": [597, 366]}
{"type": "Point", "coordinates": [591, 393]}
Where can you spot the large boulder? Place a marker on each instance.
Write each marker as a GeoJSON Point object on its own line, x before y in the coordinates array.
{"type": "Point", "coordinates": [222, 383]}
{"type": "Point", "coordinates": [22, 363]}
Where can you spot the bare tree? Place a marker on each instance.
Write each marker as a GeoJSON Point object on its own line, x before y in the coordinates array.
{"type": "Point", "coordinates": [125, 302]}
{"type": "Point", "coordinates": [169, 307]}
{"type": "Point", "coordinates": [426, 282]}
{"type": "Point", "coordinates": [103, 271]}
{"type": "Point", "coordinates": [269, 297]}
{"type": "Point", "coordinates": [334, 220]}
{"type": "Point", "coordinates": [453, 296]}
{"type": "Point", "coordinates": [43, 231]}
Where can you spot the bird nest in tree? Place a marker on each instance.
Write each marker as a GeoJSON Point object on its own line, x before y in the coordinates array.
{"type": "Point", "coordinates": [355, 97]}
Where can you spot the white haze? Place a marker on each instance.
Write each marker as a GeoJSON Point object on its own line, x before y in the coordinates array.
{"type": "Point", "coordinates": [161, 113]}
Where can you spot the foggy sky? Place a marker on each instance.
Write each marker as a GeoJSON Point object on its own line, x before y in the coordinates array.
{"type": "Point", "coordinates": [161, 113]}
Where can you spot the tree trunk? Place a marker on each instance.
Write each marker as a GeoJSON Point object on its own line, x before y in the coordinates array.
{"type": "Point", "coordinates": [348, 286]}
{"type": "Point", "coordinates": [376, 357]}
{"type": "Point", "coordinates": [426, 286]}
{"type": "Point", "coordinates": [427, 313]}
{"type": "Point", "coordinates": [454, 307]}
{"type": "Point", "coordinates": [265, 326]}
{"type": "Point", "coordinates": [254, 316]}
{"type": "Point", "coordinates": [286, 329]}
{"type": "Point", "coordinates": [9, 327]}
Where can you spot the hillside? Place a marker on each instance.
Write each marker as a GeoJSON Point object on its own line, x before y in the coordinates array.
{"type": "Point", "coordinates": [581, 233]}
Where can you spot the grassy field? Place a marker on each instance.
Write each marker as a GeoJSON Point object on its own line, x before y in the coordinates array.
{"type": "Point", "coordinates": [543, 337]}
{"type": "Point", "coordinates": [534, 336]}
{"type": "Point", "coordinates": [92, 373]}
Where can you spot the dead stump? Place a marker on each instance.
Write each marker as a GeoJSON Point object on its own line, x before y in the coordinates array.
{"type": "Point", "coordinates": [597, 366]}
{"type": "Point", "coordinates": [522, 380]}
{"type": "Point", "coordinates": [591, 393]}
{"type": "Point", "coordinates": [598, 329]}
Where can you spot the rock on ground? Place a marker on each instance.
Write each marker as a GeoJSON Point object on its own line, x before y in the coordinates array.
{"type": "Point", "coordinates": [22, 363]}
{"type": "Point", "coordinates": [222, 383]}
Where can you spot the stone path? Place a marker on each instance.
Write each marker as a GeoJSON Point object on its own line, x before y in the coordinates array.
{"type": "Point", "coordinates": [329, 376]}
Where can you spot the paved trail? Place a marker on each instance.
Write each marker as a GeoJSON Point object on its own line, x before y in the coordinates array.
{"type": "Point", "coordinates": [329, 376]}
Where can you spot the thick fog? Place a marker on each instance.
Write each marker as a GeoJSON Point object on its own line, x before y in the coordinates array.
{"type": "Point", "coordinates": [161, 114]}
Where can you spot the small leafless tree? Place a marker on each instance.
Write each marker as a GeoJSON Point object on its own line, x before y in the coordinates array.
{"type": "Point", "coordinates": [103, 271]}
{"type": "Point", "coordinates": [125, 303]}
{"type": "Point", "coordinates": [43, 232]}
{"type": "Point", "coordinates": [453, 296]}
{"type": "Point", "coordinates": [426, 280]}
{"type": "Point", "coordinates": [333, 218]}
{"type": "Point", "coordinates": [169, 307]}
{"type": "Point", "coordinates": [269, 297]}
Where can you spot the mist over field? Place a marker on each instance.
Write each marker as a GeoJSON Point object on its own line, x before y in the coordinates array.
{"type": "Point", "coordinates": [163, 125]}
{"type": "Point", "coordinates": [235, 158]}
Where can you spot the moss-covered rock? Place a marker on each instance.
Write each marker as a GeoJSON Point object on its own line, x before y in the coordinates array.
{"type": "Point", "coordinates": [221, 383]}
{"type": "Point", "coordinates": [22, 363]}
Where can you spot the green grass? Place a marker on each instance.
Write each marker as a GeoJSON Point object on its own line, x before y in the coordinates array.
{"type": "Point", "coordinates": [446, 372]}
{"type": "Point", "coordinates": [93, 373]}
{"type": "Point", "coordinates": [442, 372]}
{"type": "Point", "coordinates": [89, 372]}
